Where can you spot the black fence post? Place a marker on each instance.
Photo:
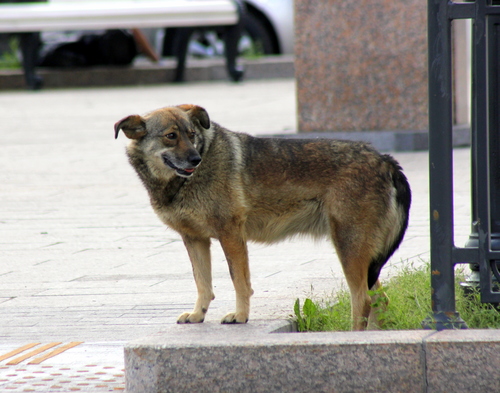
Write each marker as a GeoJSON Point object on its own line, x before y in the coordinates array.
{"type": "Point", "coordinates": [483, 248]}
{"type": "Point", "coordinates": [441, 168]}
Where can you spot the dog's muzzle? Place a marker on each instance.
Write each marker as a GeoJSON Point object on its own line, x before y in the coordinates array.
{"type": "Point", "coordinates": [193, 161]}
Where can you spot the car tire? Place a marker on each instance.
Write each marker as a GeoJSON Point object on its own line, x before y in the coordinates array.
{"type": "Point", "coordinates": [256, 30]}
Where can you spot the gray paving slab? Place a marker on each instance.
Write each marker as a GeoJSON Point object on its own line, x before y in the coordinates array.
{"type": "Point", "coordinates": [84, 258]}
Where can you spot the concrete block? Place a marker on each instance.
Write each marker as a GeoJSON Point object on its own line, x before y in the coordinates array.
{"type": "Point", "coordinates": [463, 361]}
{"type": "Point", "coordinates": [248, 358]}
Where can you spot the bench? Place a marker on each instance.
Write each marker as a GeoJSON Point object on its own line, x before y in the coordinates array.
{"type": "Point", "coordinates": [29, 19]}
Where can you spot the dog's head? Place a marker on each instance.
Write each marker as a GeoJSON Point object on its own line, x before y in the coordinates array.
{"type": "Point", "coordinates": [171, 137]}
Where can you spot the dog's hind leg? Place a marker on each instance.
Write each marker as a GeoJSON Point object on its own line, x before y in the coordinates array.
{"type": "Point", "coordinates": [360, 300]}
{"type": "Point", "coordinates": [355, 256]}
{"type": "Point", "coordinates": [235, 249]}
{"type": "Point", "coordinates": [199, 254]}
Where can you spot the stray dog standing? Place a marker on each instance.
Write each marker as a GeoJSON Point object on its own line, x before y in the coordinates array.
{"type": "Point", "coordinates": [205, 182]}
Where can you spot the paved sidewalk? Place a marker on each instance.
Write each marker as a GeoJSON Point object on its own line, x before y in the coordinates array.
{"type": "Point", "coordinates": [83, 258]}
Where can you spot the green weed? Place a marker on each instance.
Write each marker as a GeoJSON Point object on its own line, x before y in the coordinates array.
{"type": "Point", "coordinates": [330, 314]}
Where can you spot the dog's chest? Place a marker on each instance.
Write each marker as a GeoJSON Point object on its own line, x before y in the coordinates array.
{"type": "Point", "coordinates": [185, 221]}
{"type": "Point", "coordinates": [187, 214]}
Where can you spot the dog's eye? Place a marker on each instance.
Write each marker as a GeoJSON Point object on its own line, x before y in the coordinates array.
{"type": "Point", "coordinates": [192, 135]}
{"type": "Point", "coordinates": [171, 136]}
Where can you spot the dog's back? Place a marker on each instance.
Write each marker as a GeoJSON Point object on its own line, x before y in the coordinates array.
{"type": "Point", "coordinates": [310, 182]}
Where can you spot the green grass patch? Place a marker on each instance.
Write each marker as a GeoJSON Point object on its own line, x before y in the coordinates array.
{"type": "Point", "coordinates": [9, 59]}
{"type": "Point", "coordinates": [409, 292]}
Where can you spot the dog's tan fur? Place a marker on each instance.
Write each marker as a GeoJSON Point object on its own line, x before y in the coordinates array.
{"type": "Point", "coordinates": [205, 182]}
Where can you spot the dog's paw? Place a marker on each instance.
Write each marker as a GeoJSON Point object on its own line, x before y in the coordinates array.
{"type": "Point", "coordinates": [191, 317]}
{"type": "Point", "coordinates": [234, 317]}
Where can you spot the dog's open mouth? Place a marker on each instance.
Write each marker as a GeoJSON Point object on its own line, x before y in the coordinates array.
{"type": "Point", "coordinates": [182, 172]}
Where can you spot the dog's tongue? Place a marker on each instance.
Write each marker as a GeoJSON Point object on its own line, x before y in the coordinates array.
{"type": "Point", "coordinates": [188, 170]}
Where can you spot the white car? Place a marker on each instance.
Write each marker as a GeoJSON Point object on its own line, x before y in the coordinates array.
{"type": "Point", "coordinates": [267, 30]}
{"type": "Point", "coordinates": [272, 22]}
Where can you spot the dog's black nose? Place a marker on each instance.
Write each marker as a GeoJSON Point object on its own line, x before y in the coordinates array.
{"type": "Point", "coordinates": [194, 160]}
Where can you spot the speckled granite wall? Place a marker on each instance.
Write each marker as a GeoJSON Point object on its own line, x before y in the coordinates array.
{"type": "Point", "coordinates": [211, 357]}
{"type": "Point", "coordinates": [361, 65]}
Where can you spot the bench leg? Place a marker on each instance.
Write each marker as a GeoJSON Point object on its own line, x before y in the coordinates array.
{"type": "Point", "coordinates": [30, 44]}
{"type": "Point", "coordinates": [232, 36]}
{"type": "Point", "coordinates": [180, 49]}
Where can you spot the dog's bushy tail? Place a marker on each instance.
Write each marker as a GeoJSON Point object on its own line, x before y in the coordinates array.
{"type": "Point", "coordinates": [403, 202]}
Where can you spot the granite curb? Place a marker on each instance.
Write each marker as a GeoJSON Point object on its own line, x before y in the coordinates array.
{"type": "Point", "coordinates": [254, 358]}
{"type": "Point", "coordinates": [146, 73]}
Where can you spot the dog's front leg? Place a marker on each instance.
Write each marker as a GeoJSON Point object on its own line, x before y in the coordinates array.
{"type": "Point", "coordinates": [235, 250]}
{"type": "Point", "coordinates": [199, 254]}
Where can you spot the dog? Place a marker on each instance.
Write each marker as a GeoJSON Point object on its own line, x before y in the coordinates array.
{"type": "Point", "coordinates": [207, 182]}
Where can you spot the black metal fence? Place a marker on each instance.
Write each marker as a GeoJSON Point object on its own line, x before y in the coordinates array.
{"type": "Point", "coordinates": [483, 248]}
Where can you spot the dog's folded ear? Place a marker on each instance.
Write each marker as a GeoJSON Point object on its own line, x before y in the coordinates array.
{"type": "Point", "coordinates": [197, 113]}
{"type": "Point", "coordinates": [133, 126]}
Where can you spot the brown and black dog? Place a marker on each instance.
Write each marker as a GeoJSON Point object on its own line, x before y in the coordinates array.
{"type": "Point", "coordinates": [207, 182]}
